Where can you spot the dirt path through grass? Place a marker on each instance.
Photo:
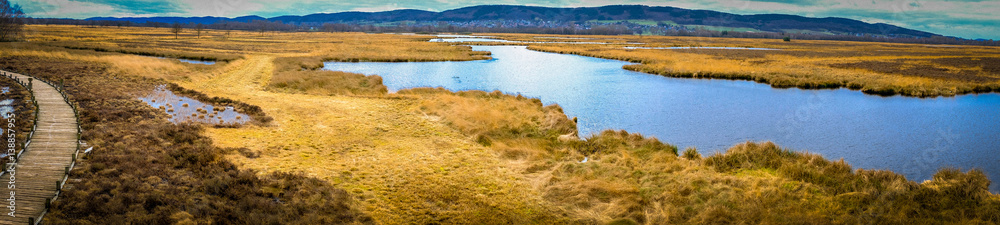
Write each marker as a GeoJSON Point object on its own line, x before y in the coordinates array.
{"type": "Point", "coordinates": [403, 166]}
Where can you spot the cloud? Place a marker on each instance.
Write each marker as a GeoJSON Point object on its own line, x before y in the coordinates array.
{"type": "Point", "coordinates": [224, 8]}
{"type": "Point", "coordinates": [62, 8]}
{"type": "Point", "coordinates": [37, 6]}
{"type": "Point", "coordinates": [140, 6]}
{"type": "Point", "coordinates": [967, 19]}
{"type": "Point", "coordinates": [792, 2]}
{"type": "Point", "coordinates": [952, 24]}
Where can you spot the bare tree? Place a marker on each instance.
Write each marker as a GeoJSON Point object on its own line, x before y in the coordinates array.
{"type": "Point", "coordinates": [199, 28]}
{"type": "Point", "coordinates": [261, 25]}
{"type": "Point", "coordinates": [226, 27]}
{"type": "Point", "coordinates": [11, 21]}
{"type": "Point", "coordinates": [176, 29]}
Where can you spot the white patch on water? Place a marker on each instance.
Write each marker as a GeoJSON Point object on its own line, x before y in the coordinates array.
{"type": "Point", "coordinates": [6, 108]}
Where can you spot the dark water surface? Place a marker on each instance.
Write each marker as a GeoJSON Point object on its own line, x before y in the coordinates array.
{"type": "Point", "coordinates": [197, 61]}
{"type": "Point", "coordinates": [912, 136]}
{"type": "Point", "coordinates": [185, 60]}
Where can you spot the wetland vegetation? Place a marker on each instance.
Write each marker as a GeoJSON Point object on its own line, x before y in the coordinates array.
{"type": "Point", "coordinates": [331, 147]}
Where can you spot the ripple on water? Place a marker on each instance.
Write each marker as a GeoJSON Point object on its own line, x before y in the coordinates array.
{"type": "Point", "coordinates": [184, 109]}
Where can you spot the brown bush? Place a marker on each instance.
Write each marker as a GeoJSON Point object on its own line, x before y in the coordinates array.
{"type": "Point", "coordinates": [901, 67]}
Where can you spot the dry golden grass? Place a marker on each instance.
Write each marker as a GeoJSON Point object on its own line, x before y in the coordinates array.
{"type": "Point", "coordinates": [403, 165]}
{"type": "Point", "coordinates": [123, 64]}
{"type": "Point", "coordinates": [479, 113]}
{"type": "Point", "coordinates": [303, 75]}
{"type": "Point", "coordinates": [217, 45]}
{"type": "Point", "coordinates": [433, 156]}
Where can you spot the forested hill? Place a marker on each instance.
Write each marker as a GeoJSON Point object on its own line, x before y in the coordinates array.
{"type": "Point", "coordinates": [546, 16]}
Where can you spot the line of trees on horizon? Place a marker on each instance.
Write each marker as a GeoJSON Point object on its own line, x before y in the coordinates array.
{"type": "Point", "coordinates": [264, 26]}
{"type": "Point", "coordinates": [11, 21]}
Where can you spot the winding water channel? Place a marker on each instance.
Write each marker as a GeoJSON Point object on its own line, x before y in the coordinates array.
{"type": "Point", "coordinates": [911, 136]}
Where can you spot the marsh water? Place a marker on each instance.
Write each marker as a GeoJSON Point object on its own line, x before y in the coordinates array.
{"type": "Point", "coordinates": [197, 61]}
{"type": "Point", "coordinates": [469, 38]}
{"type": "Point", "coordinates": [722, 48]}
{"type": "Point", "coordinates": [912, 136]}
{"type": "Point", "coordinates": [191, 61]}
{"type": "Point", "coordinates": [184, 109]}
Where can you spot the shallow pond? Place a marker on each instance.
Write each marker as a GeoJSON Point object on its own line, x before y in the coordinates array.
{"type": "Point", "coordinates": [184, 109]}
{"type": "Point", "coordinates": [911, 136]}
{"type": "Point", "coordinates": [467, 38]}
{"type": "Point", "coordinates": [186, 60]}
{"type": "Point", "coordinates": [726, 48]}
{"type": "Point", "coordinates": [197, 61]}
{"type": "Point", "coordinates": [566, 38]}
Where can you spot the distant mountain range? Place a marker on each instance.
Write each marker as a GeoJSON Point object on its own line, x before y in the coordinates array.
{"type": "Point", "coordinates": [649, 14]}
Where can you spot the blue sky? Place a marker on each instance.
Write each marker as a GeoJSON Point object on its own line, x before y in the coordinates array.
{"type": "Point", "coordinates": [962, 18]}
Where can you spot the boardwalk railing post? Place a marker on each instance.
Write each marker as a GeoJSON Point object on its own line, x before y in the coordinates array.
{"type": "Point", "coordinates": [59, 87]}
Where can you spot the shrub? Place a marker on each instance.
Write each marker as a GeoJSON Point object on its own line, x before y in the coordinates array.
{"type": "Point", "coordinates": [691, 153]}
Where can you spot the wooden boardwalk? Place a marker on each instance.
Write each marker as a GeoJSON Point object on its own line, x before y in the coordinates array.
{"type": "Point", "coordinates": [44, 162]}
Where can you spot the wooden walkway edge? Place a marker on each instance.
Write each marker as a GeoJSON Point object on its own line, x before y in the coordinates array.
{"type": "Point", "coordinates": [42, 167]}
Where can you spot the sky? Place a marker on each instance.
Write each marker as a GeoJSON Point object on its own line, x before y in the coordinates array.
{"type": "Point", "coordinates": [961, 18]}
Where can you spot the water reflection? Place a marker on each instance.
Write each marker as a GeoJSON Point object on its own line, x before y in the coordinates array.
{"type": "Point", "coordinates": [197, 61]}
{"type": "Point", "coordinates": [185, 60]}
{"type": "Point", "coordinates": [184, 109]}
{"type": "Point", "coordinates": [468, 38]}
{"type": "Point", "coordinates": [729, 48]}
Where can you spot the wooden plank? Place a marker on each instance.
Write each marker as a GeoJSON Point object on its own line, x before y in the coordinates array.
{"type": "Point", "coordinates": [44, 162]}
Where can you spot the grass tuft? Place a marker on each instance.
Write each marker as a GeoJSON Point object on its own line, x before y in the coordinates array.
{"type": "Point", "coordinates": [691, 153]}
